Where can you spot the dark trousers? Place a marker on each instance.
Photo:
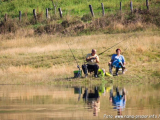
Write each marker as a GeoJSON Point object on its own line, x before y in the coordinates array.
{"type": "Point", "coordinates": [94, 95]}
{"type": "Point", "coordinates": [117, 68]}
{"type": "Point", "coordinates": [90, 68]}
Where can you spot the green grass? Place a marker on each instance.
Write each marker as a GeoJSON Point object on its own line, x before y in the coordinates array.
{"type": "Point", "coordinates": [71, 7]}
{"type": "Point", "coordinates": [77, 19]}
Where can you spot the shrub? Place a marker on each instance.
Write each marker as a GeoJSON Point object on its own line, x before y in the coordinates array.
{"type": "Point", "coordinates": [9, 26]}
{"type": "Point", "coordinates": [86, 17]}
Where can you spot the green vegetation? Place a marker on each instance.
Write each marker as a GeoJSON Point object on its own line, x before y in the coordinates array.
{"type": "Point", "coordinates": [71, 7]}
{"type": "Point", "coordinates": [77, 18]}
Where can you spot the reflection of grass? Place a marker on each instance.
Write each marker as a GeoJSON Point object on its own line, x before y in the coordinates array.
{"type": "Point", "coordinates": [146, 97]}
{"type": "Point", "coordinates": [41, 100]}
{"type": "Point", "coordinates": [157, 86]}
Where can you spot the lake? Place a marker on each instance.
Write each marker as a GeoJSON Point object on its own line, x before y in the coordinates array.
{"type": "Point", "coordinates": [106, 101]}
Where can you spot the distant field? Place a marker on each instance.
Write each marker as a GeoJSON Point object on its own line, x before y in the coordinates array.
{"type": "Point", "coordinates": [71, 7]}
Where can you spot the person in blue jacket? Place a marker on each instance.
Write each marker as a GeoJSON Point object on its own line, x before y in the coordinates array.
{"type": "Point", "coordinates": [117, 61]}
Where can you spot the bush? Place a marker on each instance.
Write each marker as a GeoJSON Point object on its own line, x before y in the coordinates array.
{"type": "Point", "coordinates": [111, 23]}
{"type": "Point", "coordinates": [86, 17]}
{"type": "Point", "coordinates": [8, 26]}
{"type": "Point", "coordinates": [65, 24]}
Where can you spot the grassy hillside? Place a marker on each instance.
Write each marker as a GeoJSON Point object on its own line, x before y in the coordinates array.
{"type": "Point", "coordinates": [77, 18]}
{"type": "Point", "coordinates": [71, 7]}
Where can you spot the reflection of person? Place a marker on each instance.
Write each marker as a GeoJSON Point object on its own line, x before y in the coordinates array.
{"type": "Point", "coordinates": [92, 100]}
{"type": "Point", "coordinates": [85, 94]}
{"type": "Point", "coordinates": [92, 60]}
{"type": "Point", "coordinates": [119, 100]}
{"type": "Point", "coordinates": [90, 96]}
{"type": "Point", "coordinates": [96, 107]}
{"type": "Point", "coordinates": [117, 61]}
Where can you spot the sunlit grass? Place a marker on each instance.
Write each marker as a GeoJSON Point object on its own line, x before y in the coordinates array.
{"type": "Point", "coordinates": [47, 57]}
{"type": "Point", "coordinates": [12, 8]}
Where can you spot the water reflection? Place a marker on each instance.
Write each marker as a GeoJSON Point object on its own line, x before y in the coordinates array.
{"type": "Point", "coordinates": [118, 100]}
{"type": "Point", "coordinates": [78, 90]}
{"type": "Point", "coordinates": [116, 96]}
{"type": "Point", "coordinates": [92, 99]}
{"type": "Point", "coordinates": [77, 102]}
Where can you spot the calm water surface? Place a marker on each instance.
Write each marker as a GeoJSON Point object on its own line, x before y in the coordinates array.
{"type": "Point", "coordinates": [19, 102]}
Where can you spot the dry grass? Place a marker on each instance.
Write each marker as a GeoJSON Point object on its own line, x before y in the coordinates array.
{"type": "Point", "coordinates": [46, 57]}
{"type": "Point", "coordinates": [116, 22]}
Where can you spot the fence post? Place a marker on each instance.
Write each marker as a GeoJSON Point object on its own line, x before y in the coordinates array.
{"type": "Point", "coordinates": [147, 4]}
{"type": "Point", "coordinates": [131, 6]}
{"type": "Point", "coordinates": [60, 12]}
{"type": "Point", "coordinates": [34, 13]}
{"type": "Point", "coordinates": [54, 7]}
{"type": "Point", "coordinates": [120, 6]}
{"type": "Point", "coordinates": [5, 17]}
{"type": "Point", "coordinates": [103, 13]}
{"type": "Point", "coordinates": [90, 6]}
{"type": "Point", "coordinates": [47, 13]}
{"type": "Point", "coordinates": [20, 15]}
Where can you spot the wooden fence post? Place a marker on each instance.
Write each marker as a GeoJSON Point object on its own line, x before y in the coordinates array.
{"type": "Point", "coordinates": [34, 13]}
{"type": "Point", "coordinates": [131, 6]}
{"type": "Point", "coordinates": [120, 6]}
{"type": "Point", "coordinates": [90, 6]}
{"type": "Point", "coordinates": [54, 5]}
{"type": "Point", "coordinates": [60, 12]}
{"type": "Point", "coordinates": [147, 4]}
{"type": "Point", "coordinates": [103, 12]}
{"type": "Point", "coordinates": [20, 15]}
{"type": "Point", "coordinates": [5, 17]}
{"type": "Point", "coordinates": [47, 13]}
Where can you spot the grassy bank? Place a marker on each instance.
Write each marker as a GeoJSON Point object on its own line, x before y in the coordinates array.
{"type": "Point", "coordinates": [46, 59]}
